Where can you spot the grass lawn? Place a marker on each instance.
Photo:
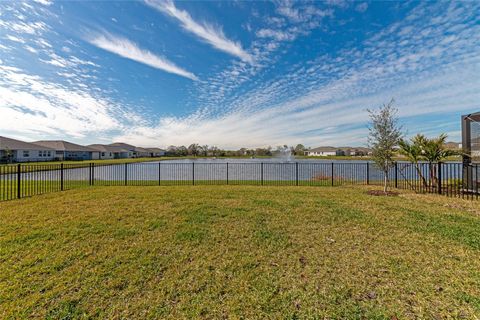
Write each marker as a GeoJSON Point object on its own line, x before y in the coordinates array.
{"type": "Point", "coordinates": [239, 252]}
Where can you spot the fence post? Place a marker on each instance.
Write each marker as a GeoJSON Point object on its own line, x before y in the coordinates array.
{"type": "Point", "coordinates": [61, 177]}
{"type": "Point", "coordinates": [19, 181]}
{"type": "Point", "coordinates": [439, 178]}
{"type": "Point", "coordinates": [332, 175]}
{"type": "Point", "coordinates": [90, 174]}
{"type": "Point", "coordinates": [126, 170]}
{"type": "Point", "coordinates": [193, 173]}
{"type": "Point", "coordinates": [227, 172]}
{"type": "Point", "coordinates": [296, 173]}
{"type": "Point", "coordinates": [93, 173]}
{"type": "Point", "coordinates": [261, 172]}
{"type": "Point", "coordinates": [159, 172]}
{"type": "Point", "coordinates": [368, 173]}
{"type": "Point", "coordinates": [396, 175]}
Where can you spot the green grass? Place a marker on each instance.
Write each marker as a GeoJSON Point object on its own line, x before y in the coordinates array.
{"type": "Point", "coordinates": [239, 252]}
{"type": "Point", "coordinates": [28, 188]}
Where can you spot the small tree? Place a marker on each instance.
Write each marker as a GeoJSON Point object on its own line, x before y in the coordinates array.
{"type": "Point", "coordinates": [434, 151]}
{"type": "Point", "coordinates": [413, 150]}
{"type": "Point", "coordinates": [431, 150]}
{"type": "Point", "coordinates": [385, 133]}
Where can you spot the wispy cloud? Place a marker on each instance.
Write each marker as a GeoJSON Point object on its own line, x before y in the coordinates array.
{"type": "Point", "coordinates": [361, 7]}
{"type": "Point", "coordinates": [427, 61]}
{"type": "Point", "coordinates": [430, 73]}
{"type": "Point", "coordinates": [208, 33]}
{"type": "Point", "coordinates": [127, 49]}
{"type": "Point", "coordinates": [33, 106]}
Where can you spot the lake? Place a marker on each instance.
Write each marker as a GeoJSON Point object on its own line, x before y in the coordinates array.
{"type": "Point", "coordinates": [224, 170]}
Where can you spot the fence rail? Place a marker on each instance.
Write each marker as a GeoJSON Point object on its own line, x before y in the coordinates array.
{"type": "Point", "coordinates": [451, 179]}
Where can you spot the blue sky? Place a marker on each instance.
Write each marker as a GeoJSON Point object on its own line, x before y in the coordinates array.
{"type": "Point", "coordinates": [233, 74]}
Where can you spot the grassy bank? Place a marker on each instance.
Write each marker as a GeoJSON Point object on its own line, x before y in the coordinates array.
{"type": "Point", "coordinates": [239, 251]}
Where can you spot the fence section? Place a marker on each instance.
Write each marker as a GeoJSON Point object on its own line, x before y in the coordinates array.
{"type": "Point", "coordinates": [451, 179]}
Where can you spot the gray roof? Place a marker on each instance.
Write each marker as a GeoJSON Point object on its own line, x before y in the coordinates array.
{"type": "Point", "coordinates": [155, 150]}
{"type": "Point", "coordinates": [12, 144]}
{"type": "Point", "coordinates": [123, 145]}
{"type": "Point", "coordinates": [61, 145]}
{"type": "Point", "coordinates": [324, 149]}
{"type": "Point", "coordinates": [139, 149]}
{"type": "Point", "coordinates": [107, 148]}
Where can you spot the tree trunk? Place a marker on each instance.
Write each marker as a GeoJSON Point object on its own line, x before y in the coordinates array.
{"type": "Point", "coordinates": [420, 174]}
{"type": "Point", "coordinates": [433, 175]}
{"type": "Point", "coordinates": [385, 182]}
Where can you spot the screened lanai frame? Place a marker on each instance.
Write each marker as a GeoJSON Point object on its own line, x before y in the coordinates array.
{"type": "Point", "coordinates": [471, 138]}
{"type": "Point", "coordinates": [471, 151]}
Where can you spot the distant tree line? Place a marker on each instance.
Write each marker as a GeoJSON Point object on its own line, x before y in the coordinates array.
{"type": "Point", "coordinates": [198, 150]}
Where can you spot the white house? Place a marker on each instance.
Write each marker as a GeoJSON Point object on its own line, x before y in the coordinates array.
{"type": "Point", "coordinates": [323, 152]}
{"type": "Point", "coordinates": [110, 152]}
{"type": "Point", "coordinates": [141, 152]}
{"type": "Point", "coordinates": [12, 150]}
{"type": "Point", "coordinates": [156, 152]}
{"type": "Point", "coordinates": [131, 153]}
{"type": "Point", "coordinates": [65, 150]}
{"type": "Point", "coordinates": [138, 152]}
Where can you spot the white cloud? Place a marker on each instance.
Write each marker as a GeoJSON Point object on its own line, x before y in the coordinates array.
{"type": "Point", "coordinates": [208, 33]}
{"type": "Point", "coordinates": [127, 49]}
{"type": "Point", "coordinates": [361, 7]}
{"type": "Point", "coordinates": [44, 2]}
{"type": "Point", "coordinates": [276, 34]}
{"type": "Point", "coordinates": [14, 38]}
{"type": "Point", "coordinates": [33, 106]}
{"type": "Point", "coordinates": [430, 74]}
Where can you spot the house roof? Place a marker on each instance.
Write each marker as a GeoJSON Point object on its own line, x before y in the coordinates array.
{"type": "Point", "coordinates": [139, 149]}
{"type": "Point", "coordinates": [155, 150]}
{"type": "Point", "coordinates": [12, 144]}
{"type": "Point", "coordinates": [107, 148]}
{"type": "Point", "coordinates": [123, 145]}
{"type": "Point", "coordinates": [61, 145]}
{"type": "Point", "coordinates": [324, 149]}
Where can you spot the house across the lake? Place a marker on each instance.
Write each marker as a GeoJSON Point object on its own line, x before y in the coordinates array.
{"type": "Point", "coordinates": [65, 150]}
{"type": "Point", "coordinates": [324, 151]}
{"type": "Point", "coordinates": [110, 152]}
{"type": "Point", "coordinates": [356, 151]}
{"type": "Point", "coordinates": [156, 152]}
{"type": "Point", "coordinates": [125, 146]}
{"type": "Point", "coordinates": [12, 150]}
{"type": "Point", "coordinates": [341, 151]}
{"type": "Point", "coordinates": [139, 152]}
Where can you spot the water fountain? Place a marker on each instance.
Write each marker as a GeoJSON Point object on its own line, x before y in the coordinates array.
{"type": "Point", "coordinates": [285, 154]}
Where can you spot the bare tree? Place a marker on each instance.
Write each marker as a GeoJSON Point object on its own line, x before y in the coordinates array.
{"type": "Point", "coordinates": [385, 133]}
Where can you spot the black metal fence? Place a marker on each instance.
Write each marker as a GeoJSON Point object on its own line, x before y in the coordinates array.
{"type": "Point", "coordinates": [451, 179]}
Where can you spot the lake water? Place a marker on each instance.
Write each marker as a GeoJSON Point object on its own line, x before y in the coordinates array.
{"type": "Point", "coordinates": [264, 169]}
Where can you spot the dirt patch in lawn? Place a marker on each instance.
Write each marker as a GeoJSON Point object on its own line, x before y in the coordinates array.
{"type": "Point", "coordinates": [382, 193]}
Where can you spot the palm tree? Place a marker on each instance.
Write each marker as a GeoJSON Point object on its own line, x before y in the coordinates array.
{"type": "Point", "coordinates": [413, 152]}
{"type": "Point", "coordinates": [431, 150]}
{"type": "Point", "coordinates": [434, 151]}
